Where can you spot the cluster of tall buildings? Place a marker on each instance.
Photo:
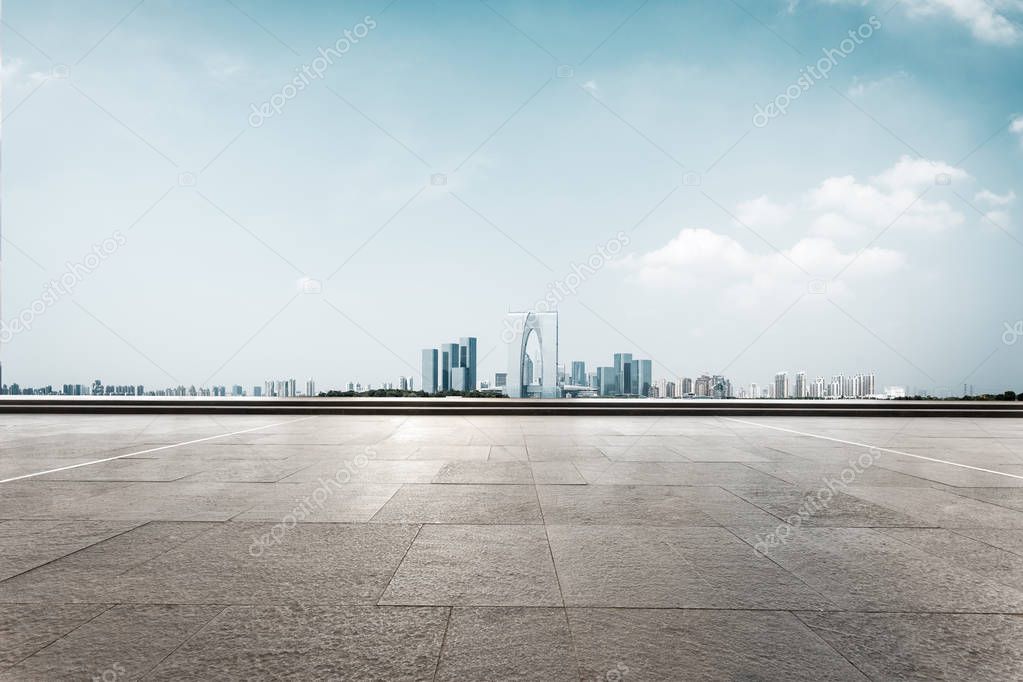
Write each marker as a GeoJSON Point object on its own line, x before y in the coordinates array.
{"type": "Point", "coordinates": [861, 385]}
{"type": "Point", "coordinates": [626, 376]}
{"type": "Point", "coordinates": [452, 367]}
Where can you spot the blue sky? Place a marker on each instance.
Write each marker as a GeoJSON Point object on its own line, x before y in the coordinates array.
{"type": "Point", "coordinates": [557, 127]}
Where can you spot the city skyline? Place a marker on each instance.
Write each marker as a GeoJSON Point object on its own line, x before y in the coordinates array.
{"type": "Point", "coordinates": [683, 202]}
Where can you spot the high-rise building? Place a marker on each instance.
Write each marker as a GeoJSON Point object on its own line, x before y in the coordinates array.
{"type": "Point", "coordinates": [623, 369]}
{"type": "Point", "coordinates": [754, 391]}
{"type": "Point", "coordinates": [800, 390]}
{"type": "Point", "coordinates": [527, 371]}
{"type": "Point", "coordinates": [685, 386]}
{"type": "Point", "coordinates": [500, 379]}
{"type": "Point", "coordinates": [460, 379]}
{"type": "Point", "coordinates": [445, 370]}
{"type": "Point", "coordinates": [310, 388]}
{"type": "Point", "coordinates": [467, 359]}
{"type": "Point", "coordinates": [644, 377]}
{"type": "Point", "coordinates": [429, 370]}
{"type": "Point", "coordinates": [781, 385]}
{"type": "Point", "coordinates": [578, 373]}
{"type": "Point", "coordinates": [607, 378]}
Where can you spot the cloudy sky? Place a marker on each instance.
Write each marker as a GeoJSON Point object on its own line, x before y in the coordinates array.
{"type": "Point", "coordinates": [234, 190]}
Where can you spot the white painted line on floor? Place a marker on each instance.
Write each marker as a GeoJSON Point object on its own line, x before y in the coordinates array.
{"type": "Point", "coordinates": [157, 449]}
{"type": "Point", "coordinates": [875, 447]}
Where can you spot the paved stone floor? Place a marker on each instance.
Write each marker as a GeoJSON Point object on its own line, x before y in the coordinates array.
{"type": "Point", "coordinates": [547, 548]}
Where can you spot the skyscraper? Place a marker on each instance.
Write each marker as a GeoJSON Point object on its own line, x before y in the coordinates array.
{"type": "Point", "coordinates": [623, 369]}
{"type": "Point", "coordinates": [468, 360]}
{"type": "Point", "coordinates": [606, 379]}
{"type": "Point", "coordinates": [429, 370]}
{"type": "Point", "coordinates": [800, 391]}
{"type": "Point", "coordinates": [578, 373]}
{"type": "Point", "coordinates": [781, 385]}
{"type": "Point", "coordinates": [645, 377]}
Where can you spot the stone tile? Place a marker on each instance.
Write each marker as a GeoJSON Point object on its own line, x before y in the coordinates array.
{"type": "Point", "coordinates": [28, 628]}
{"type": "Point", "coordinates": [970, 554]}
{"type": "Point", "coordinates": [87, 575]}
{"type": "Point", "coordinates": [175, 501]}
{"type": "Point", "coordinates": [515, 504]}
{"type": "Point", "coordinates": [1011, 540]}
{"type": "Point", "coordinates": [556, 473]}
{"type": "Point", "coordinates": [295, 642]}
{"type": "Point", "coordinates": [862, 569]}
{"type": "Point", "coordinates": [668, 644]}
{"type": "Point", "coordinates": [478, 453]}
{"type": "Point", "coordinates": [826, 506]}
{"type": "Point", "coordinates": [268, 471]}
{"type": "Point", "coordinates": [619, 505]}
{"type": "Point", "coordinates": [476, 566]}
{"type": "Point", "coordinates": [727, 508]}
{"type": "Point", "coordinates": [561, 453]}
{"type": "Point", "coordinates": [504, 453]}
{"type": "Point", "coordinates": [27, 544]}
{"type": "Point", "coordinates": [925, 646]}
{"type": "Point", "coordinates": [35, 499]}
{"type": "Point", "coordinates": [321, 502]}
{"type": "Point", "coordinates": [122, 643]}
{"type": "Point", "coordinates": [643, 453]}
{"type": "Point", "coordinates": [243, 563]}
{"type": "Point", "coordinates": [373, 471]}
{"type": "Point", "coordinates": [940, 508]}
{"type": "Point", "coordinates": [485, 472]}
{"type": "Point", "coordinates": [1011, 498]}
{"type": "Point", "coordinates": [131, 469]}
{"type": "Point", "coordinates": [508, 643]}
{"type": "Point", "coordinates": [953, 475]}
{"type": "Point", "coordinates": [640, 567]}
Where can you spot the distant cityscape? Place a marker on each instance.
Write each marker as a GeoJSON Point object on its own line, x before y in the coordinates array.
{"type": "Point", "coordinates": [533, 371]}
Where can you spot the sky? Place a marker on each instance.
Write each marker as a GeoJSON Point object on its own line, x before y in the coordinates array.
{"type": "Point", "coordinates": [229, 191]}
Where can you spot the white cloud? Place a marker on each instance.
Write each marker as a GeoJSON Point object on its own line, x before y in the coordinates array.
{"type": "Point", "coordinates": [999, 218]}
{"type": "Point", "coordinates": [986, 19]}
{"type": "Point", "coordinates": [762, 212]}
{"type": "Point", "coordinates": [844, 206]}
{"type": "Point", "coordinates": [916, 174]}
{"type": "Point", "coordinates": [1016, 127]}
{"type": "Point", "coordinates": [988, 197]}
{"type": "Point", "coordinates": [990, 21]}
{"type": "Point", "coordinates": [703, 258]}
{"type": "Point", "coordinates": [861, 87]}
{"type": "Point", "coordinates": [591, 87]}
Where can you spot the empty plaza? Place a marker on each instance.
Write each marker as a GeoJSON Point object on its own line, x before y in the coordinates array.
{"type": "Point", "coordinates": [510, 547]}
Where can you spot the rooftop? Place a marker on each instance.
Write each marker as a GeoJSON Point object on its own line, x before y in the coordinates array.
{"type": "Point", "coordinates": [402, 546]}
